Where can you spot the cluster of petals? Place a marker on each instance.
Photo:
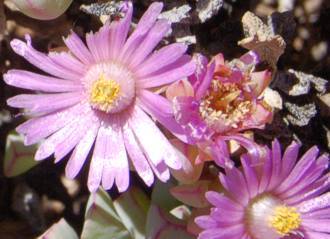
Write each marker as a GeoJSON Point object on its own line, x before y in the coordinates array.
{"type": "Point", "coordinates": [273, 197]}
{"type": "Point", "coordinates": [98, 97]}
{"type": "Point", "coordinates": [221, 100]}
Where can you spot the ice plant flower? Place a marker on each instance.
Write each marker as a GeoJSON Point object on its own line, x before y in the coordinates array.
{"type": "Point", "coordinates": [277, 197]}
{"type": "Point", "coordinates": [101, 95]}
{"type": "Point", "coordinates": [221, 100]}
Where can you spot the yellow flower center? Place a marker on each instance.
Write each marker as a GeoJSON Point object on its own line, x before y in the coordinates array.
{"type": "Point", "coordinates": [285, 220]}
{"type": "Point", "coordinates": [104, 94]}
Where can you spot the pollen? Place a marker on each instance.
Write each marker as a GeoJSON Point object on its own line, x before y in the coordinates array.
{"type": "Point", "coordinates": [224, 103]}
{"type": "Point", "coordinates": [104, 93]}
{"type": "Point", "coordinates": [285, 220]}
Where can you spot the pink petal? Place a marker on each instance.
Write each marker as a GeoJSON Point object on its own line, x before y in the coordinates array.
{"type": "Point", "coordinates": [32, 81]}
{"type": "Point", "coordinates": [78, 48]}
{"type": "Point", "coordinates": [138, 159]}
{"type": "Point", "coordinates": [148, 134]}
{"type": "Point", "coordinates": [47, 148]}
{"type": "Point", "coordinates": [68, 62]}
{"type": "Point", "coordinates": [116, 163]}
{"type": "Point", "coordinates": [39, 128]}
{"type": "Point", "coordinates": [161, 58]}
{"type": "Point", "coordinates": [154, 36]}
{"type": "Point", "coordinates": [118, 32]}
{"type": "Point", "coordinates": [206, 81]}
{"type": "Point", "coordinates": [41, 61]}
{"type": "Point", "coordinates": [99, 158]}
{"type": "Point", "coordinates": [45, 103]}
{"type": "Point", "coordinates": [81, 152]}
{"type": "Point", "coordinates": [146, 22]}
{"type": "Point", "coordinates": [176, 71]}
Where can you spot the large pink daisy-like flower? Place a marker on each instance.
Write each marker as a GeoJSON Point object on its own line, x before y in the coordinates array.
{"type": "Point", "coordinates": [98, 95]}
{"type": "Point", "coordinates": [273, 198]}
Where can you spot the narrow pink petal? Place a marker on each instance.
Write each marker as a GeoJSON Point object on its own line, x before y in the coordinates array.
{"type": "Point", "coordinates": [154, 36]}
{"type": "Point", "coordinates": [138, 159]}
{"type": "Point", "coordinates": [81, 152]}
{"type": "Point", "coordinates": [146, 22]}
{"type": "Point", "coordinates": [206, 222]}
{"type": "Point", "coordinates": [233, 232]}
{"type": "Point", "coordinates": [45, 103]}
{"type": "Point", "coordinates": [78, 48]}
{"type": "Point", "coordinates": [318, 225]}
{"type": "Point", "coordinates": [41, 60]}
{"type": "Point", "coordinates": [148, 134]}
{"type": "Point", "coordinates": [79, 130]}
{"type": "Point", "coordinates": [32, 81]}
{"type": "Point", "coordinates": [161, 58]}
{"type": "Point", "coordinates": [304, 164]}
{"type": "Point", "coordinates": [220, 201]}
{"type": "Point", "coordinates": [99, 157]}
{"type": "Point", "coordinates": [289, 159]}
{"type": "Point", "coordinates": [154, 100]}
{"type": "Point", "coordinates": [237, 185]}
{"type": "Point", "coordinates": [118, 32]}
{"type": "Point", "coordinates": [277, 165]}
{"type": "Point", "coordinates": [180, 69]}
{"type": "Point", "coordinates": [38, 128]}
{"type": "Point", "coordinates": [161, 109]}
{"type": "Point", "coordinates": [68, 62]}
{"type": "Point", "coordinates": [316, 235]}
{"type": "Point", "coordinates": [323, 213]}
{"type": "Point", "coordinates": [47, 147]}
{"type": "Point", "coordinates": [206, 81]}
{"type": "Point", "coordinates": [116, 163]}
{"type": "Point", "coordinates": [317, 203]}
{"type": "Point", "coordinates": [250, 176]}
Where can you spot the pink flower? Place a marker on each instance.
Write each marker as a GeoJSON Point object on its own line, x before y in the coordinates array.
{"type": "Point", "coordinates": [100, 95]}
{"type": "Point", "coordinates": [275, 197]}
{"type": "Point", "coordinates": [221, 100]}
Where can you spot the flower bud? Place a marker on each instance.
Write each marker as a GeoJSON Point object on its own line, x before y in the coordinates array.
{"type": "Point", "coordinates": [42, 9]}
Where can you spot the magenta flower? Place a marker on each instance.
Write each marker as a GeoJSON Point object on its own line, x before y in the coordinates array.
{"type": "Point", "coordinates": [221, 100]}
{"type": "Point", "coordinates": [277, 197]}
{"type": "Point", "coordinates": [100, 95]}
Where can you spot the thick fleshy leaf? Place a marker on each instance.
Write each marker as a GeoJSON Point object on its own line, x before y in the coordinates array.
{"type": "Point", "coordinates": [102, 220]}
{"type": "Point", "coordinates": [161, 225]}
{"type": "Point", "coordinates": [61, 229]}
{"type": "Point", "coordinates": [132, 207]}
{"type": "Point", "coordinates": [162, 197]}
{"type": "Point", "coordinates": [192, 194]}
{"type": "Point", "coordinates": [18, 157]}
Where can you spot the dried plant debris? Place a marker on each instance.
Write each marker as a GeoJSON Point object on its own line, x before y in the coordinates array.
{"type": "Point", "coordinates": [318, 83]}
{"type": "Point", "coordinates": [295, 83]}
{"type": "Point", "coordinates": [261, 38]}
{"type": "Point", "coordinates": [105, 11]}
{"type": "Point", "coordinates": [300, 115]}
{"type": "Point", "coordinates": [177, 14]}
{"type": "Point", "coordinates": [206, 9]}
{"type": "Point", "coordinates": [180, 18]}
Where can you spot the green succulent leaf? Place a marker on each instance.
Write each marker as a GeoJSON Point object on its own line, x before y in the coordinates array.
{"type": "Point", "coordinates": [18, 157]}
{"type": "Point", "coordinates": [124, 218]}
{"type": "Point", "coordinates": [61, 229]}
{"type": "Point", "coordinates": [162, 197]}
{"type": "Point", "coordinates": [162, 225]}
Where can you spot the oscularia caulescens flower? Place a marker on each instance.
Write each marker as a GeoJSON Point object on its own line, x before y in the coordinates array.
{"type": "Point", "coordinates": [99, 97]}
{"type": "Point", "coordinates": [273, 197]}
{"type": "Point", "coordinates": [221, 100]}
